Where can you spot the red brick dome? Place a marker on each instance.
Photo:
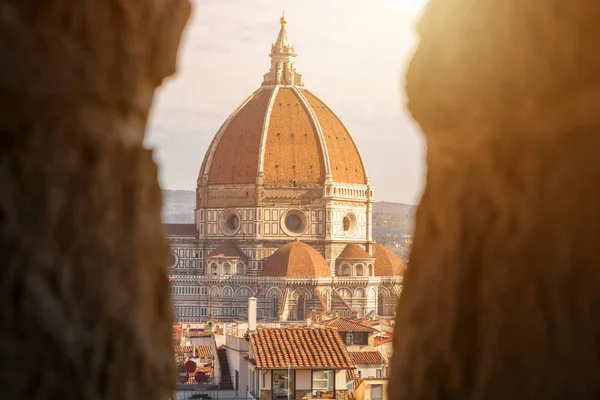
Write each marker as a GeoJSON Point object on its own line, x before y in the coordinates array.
{"type": "Point", "coordinates": [297, 260]}
{"type": "Point", "coordinates": [282, 134]}
{"type": "Point", "coordinates": [387, 263]}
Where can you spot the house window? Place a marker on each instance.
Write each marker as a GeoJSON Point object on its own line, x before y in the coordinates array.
{"type": "Point", "coordinates": [376, 392]}
{"type": "Point", "coordinates": [283, 381]}
{"type": "Point", "coordinates": [349, 339]}
{"type": "Point", "coordinates": [378, 373]}
{"type": "Point", "coordinates": [213, 268]}
{"type": "Point", "coordinates": [323, 384]}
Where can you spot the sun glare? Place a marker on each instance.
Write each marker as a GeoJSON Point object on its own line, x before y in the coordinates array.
{"type": "Point", "coordinates": [412, 6]}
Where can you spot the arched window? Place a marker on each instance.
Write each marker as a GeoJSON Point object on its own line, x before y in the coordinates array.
{"type": "Point", "coordinates": [227, 292]}
{"type": "Point", "coordinates": [370, 269]}
{"type": "Point", "coordinates": [345, 293]}
{"type": "Point", "coordinates": [239, 269]}
{"type": "Point", "coordinates": [300, 307]}
{"type": "Point", "coordinates": [275, 304]}
{"type": "Point", "coordinates": [226, 269]}
{"type": "Point", "coordinates": [359, 293]}
{"type": "Point", "coordinates": [360, 270]}
{"type": "Point", "coordinates": [346, 270]}
{"type": "Point", "coordinates": [214, 269]}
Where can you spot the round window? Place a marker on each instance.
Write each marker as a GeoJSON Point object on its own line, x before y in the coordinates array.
{"type": "Point", "coordinates": [349, 224]}
{"type": "Point", "coordinates": [233, 222]}
{"type": "Point", "coordinates": [172, 260]}
{"type": "Point", "coordinates": [229, 222]}
{"type": "Point", "coordinates": [346, 223]}
{"type": "Point", "coordinates": [294, 222]}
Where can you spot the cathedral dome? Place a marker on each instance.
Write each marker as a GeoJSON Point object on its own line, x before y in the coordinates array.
{"type": "Point", "coordinates": [297, 260]}
{"type": "Point", "coordinates": [387, 263]}
{"type": "Point", "coordinates": [282, 134]}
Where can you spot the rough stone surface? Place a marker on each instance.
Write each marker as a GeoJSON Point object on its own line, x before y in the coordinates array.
{"type": "Point", "coordinates": [502, 295]}
{"type": "Point", "coordinates": [85, 298]}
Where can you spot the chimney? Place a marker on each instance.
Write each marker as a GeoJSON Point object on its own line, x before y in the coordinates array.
{"type": "Point", "coordinates": [252, 314]}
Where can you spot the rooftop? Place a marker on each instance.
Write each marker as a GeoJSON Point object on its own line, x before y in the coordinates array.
{"type": "Point", "coordinates": [300, 348]}
{"type": "Point", "coordinates": [367, 357]}
{"type": "Point", "coordinates": [346, 325]}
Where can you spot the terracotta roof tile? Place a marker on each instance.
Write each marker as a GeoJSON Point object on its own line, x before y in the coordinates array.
{"type": "Point", "coordinates": [292, 151]}
{"type": "Point", "coordinates": [296, 260]}
{"type": "Point", "coordinates": [181, 229]}
{"type": "Point", "coordinates": [300, 347]}
{"type": "Point", "coordinates": [346, 325]}
{"type": "Point", "coordinates": [387, 263]}
{"type": "Point", "coordinates": [202, 351]}
{"type": "Point", "coordinates": [378, 341]}
{"type": "Point", "coordinates": [227, 249]}
{"type": "Point", "coordinates": [236, 156]}
{"type": "Point", "coordinates": [354, 251]}
{"type": "Point", "coordinates": [346, 164]}
{"type": "Point", "coordinates": [292, 146]}
{"type": "Point", "coordinates": [198, 333]}
{"type": "Point", "coordinates": [367, 357]}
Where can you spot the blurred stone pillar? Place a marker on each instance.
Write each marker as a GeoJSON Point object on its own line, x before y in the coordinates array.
{"type": "Point", "coordinates": [502, 296]}
{"type": "Point", "coordinates": [85, 301]}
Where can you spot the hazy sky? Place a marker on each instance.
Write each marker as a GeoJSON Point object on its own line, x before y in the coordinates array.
{"type": "Point", "coordinates": [351, 53]}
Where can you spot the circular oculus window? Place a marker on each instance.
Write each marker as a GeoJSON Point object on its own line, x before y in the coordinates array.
{"type": "Point", "coordinates": [172, 260]}
{"type": "Point", "coordinates": [229, 222]}
{"type": "Point", "coordinates": [294, 222]}
{"type": "Point", "coordinates": [349, 224]}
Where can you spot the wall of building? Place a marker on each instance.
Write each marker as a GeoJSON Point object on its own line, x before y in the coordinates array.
{"type": "Point", "coordinates": [363, 391]}
{"type": "Point", "coordinates": [237, 349]}
{"type": "Point", "coordinates": [370, 370]}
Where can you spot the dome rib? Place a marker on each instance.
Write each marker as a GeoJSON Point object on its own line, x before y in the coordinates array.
{"type": "Point", "coordinates": [210, 152]}
{"type": "Point", "coordinates": [260, 174]}
{"type": "Point", "coordinates": [362, 160]}
{"type": "Point", "coordinates": [338, 152]}
{"type": "Point", "coordinates": [315, 121]}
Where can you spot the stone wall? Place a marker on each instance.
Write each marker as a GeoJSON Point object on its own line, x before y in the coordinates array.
{"type": "Point", "coordinates": [501, 297]}
{"type": "Point", "coordinates": [84, 291]}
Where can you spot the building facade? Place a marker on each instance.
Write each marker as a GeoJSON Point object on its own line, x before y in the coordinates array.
{"type": "Point", "coordinates": [283, 213]}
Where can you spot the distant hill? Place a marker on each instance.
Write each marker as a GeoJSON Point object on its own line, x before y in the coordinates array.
{"type": "Point", "coordinates": [178, 206]}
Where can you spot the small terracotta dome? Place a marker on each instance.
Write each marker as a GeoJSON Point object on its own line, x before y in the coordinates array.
{"type": "Point", "coordinates": [354, 251]}
{"type": "Point", "coordinates": [226, 249]}
{"type": "Point", "coordinates": [387, 263]}
{"type": "Point", "coordinates": [297, 260]}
